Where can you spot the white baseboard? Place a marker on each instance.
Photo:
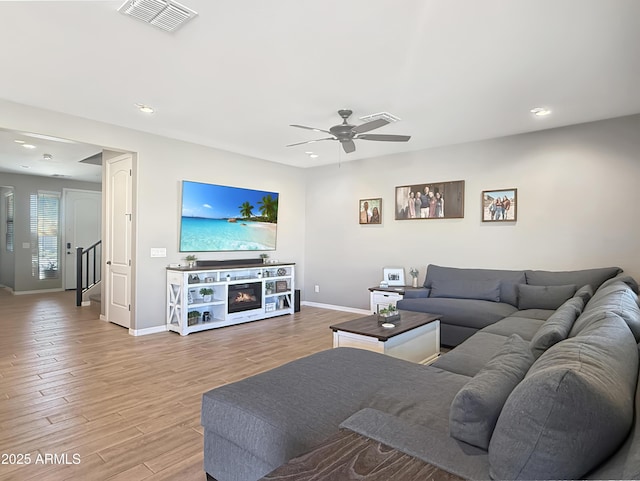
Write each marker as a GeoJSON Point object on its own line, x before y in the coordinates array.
{"type": "Point", "coordinates": [39, 291]}
{"type": "Point", "coordinates": [364, 312]}
{"type": "Point", "coordinates": [85, 303]}
{"type": "Point", "coordinates": [148, 330]}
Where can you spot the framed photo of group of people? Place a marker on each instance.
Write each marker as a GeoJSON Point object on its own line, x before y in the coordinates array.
{"type": "Point", "coordinates": [500, 205]}
{"type": "Point", "coordinates": [432, 200]}
{"type": "Point", "coordinates": [441, 200]}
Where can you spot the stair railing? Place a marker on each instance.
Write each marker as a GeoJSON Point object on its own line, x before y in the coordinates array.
{"type": "Point", "coordinates": [88, 272]}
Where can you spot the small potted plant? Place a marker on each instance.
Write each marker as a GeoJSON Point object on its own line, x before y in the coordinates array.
{"type": "Point", "coordinates": [191, 260]}
{"type": "Point", "coordinates": [264, 258]}
{"type": "Point", "coordinates": [269, 287]}
{"type": "Point", "coordinates": [388, 314]}
{"type": "Point", "coordinates": [193, 317]}
{"type": "Point", "coordinates": [414, 274]}
{"type": "Point", "coordinates": [206, 293]}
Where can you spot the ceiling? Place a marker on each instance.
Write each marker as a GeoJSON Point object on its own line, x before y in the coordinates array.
{"type": "Point", "coordinates": [238, 74]}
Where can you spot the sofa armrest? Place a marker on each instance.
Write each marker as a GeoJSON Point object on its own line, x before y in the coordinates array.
{"type": "Point", "coordinates": [417, 293]}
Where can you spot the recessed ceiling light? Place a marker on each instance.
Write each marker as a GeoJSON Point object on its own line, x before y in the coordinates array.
{"type": "Point", "coordinates": [540, 111]}
{"type": "Point", "coordinates": [19, 141]}
{"type": "Point", "coordinates": [144, 108]}
{"type": "Point", "coordinates": [29, 146]}
{"type": "Point", "coordinates": [25, 166]}
{"type": "Point", "coordinates": [314, 156]}
{"type": "Point", "coordinates": [308, 152]}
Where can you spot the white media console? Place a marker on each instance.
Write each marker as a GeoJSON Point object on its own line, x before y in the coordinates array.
{"type": "Point", "coordinates": [240, 293]}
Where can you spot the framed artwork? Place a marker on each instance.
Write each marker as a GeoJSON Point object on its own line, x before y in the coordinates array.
{"type": "Point", "coordinates": [500, 205]}
{"type": "Point", "coordinates": [393, 276]}
{"type": "Point", "coordinates": [430, 200]}
{"type": "Point", "coordinates": [281, 286]}
{"type": "Point", "coordinates": [371, 211]}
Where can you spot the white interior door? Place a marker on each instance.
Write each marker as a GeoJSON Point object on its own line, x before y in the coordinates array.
{"type": "Point", "coordinates": [82, 228]}
{"type": "Point", "coordinates": [118, 239]}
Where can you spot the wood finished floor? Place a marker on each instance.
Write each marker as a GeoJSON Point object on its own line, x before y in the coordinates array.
{"type": "Point", "coordinates": [128, 407]}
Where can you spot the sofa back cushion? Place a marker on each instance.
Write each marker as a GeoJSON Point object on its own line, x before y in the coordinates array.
{"type": "Point", "coordinates": [508, 279]}
{"type": "Point", "coordinates": [594, 277]}
{"type": "Point", "coordinates": [543, 297]}
{"type": "Point", "coordinates": [557, 327]}
{"type": "Point", "coordinates": [475, 409]}
{"type": "Point", "coordinates": [466, 289]}
{"type": "Point", "coordinates": [573, 408]}
{"type": "Point", "coordinates": [617, 297]}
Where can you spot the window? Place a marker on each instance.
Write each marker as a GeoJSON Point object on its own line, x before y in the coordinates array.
{"type": "Point", "coordinates": [45, 235]}
{"type": "Point", "coordinates": [9, 220]}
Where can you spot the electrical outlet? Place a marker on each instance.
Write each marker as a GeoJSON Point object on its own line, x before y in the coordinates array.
{"type": "Point", "coordinates": [316, 288]}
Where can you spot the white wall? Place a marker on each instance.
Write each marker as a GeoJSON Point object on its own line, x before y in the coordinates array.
{"type": "Point", "coordinates": [161, 164]}
{"type": "Point", "coordinates": [578, 208]}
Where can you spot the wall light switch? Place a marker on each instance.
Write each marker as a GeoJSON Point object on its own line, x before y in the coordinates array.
{"type": "Point", "coordinates": [158, 252]}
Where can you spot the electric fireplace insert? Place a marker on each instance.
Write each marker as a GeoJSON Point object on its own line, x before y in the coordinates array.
{"type": "Point", "coordinates": [244, 297]}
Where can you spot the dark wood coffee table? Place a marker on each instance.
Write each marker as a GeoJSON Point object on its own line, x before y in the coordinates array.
{"type": "Point", "coordinates": [348, 456]}
{"type": "Point", "coordinates": [415, 337]}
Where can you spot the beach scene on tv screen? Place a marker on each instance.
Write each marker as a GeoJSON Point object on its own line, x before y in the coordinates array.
{"type": "Point", "coordinates": [223, 218]}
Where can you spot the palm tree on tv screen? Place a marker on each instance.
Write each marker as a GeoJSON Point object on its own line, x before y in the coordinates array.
{"type": "Point", "coordinates": [269, 208]}
{"type": "Point", "coordinates": [246, 210]}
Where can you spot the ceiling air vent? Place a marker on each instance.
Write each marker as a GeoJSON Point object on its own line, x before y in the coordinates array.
{"type": "Point", "coordinates": [164, 14]}
{"type": "Point", "coordinates": [381, 115]}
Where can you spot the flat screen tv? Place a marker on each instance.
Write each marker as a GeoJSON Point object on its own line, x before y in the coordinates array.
{"type": "Point", "coordinates": [223, 218]}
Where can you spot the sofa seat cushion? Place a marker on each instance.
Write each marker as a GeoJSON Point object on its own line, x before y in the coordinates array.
{"type": "Point", "coordinates": [279, 414]}
{"type": "Point", "coordinates": [508, 279]}
{"type": "Point", "coordinates": [460, 312]}
{"type": "Point", "coordinates": [475, 409]}
{"type": "Point", "coordinates": [544, 297]}
{"type": "Point", "coordinates": [572, 410]}
{"type": "Point", "coordinates": [524, 327]}
{"type": "Point", "coordinates": [541, 314]}
{"type": "Point", "coordinates": [557, 327]}
{"type": "Point", "coordinates": [471, 355]}
{"type": "Point", "coordinates": [431, 445]}
{"type": "Point", "coordinates": [593, 277]}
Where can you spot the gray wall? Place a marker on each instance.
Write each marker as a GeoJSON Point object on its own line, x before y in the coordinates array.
{"type": "Point", "coordinates": [161, 164]}
{"type": "Point", "coordinates": [578, 207]}
{"type": "Point", "coordinates": [24, 186]}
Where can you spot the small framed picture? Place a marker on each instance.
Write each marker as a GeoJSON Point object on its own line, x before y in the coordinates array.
{"type": "Point", "coordinates": [371, 211]}
{"type": "Point", "coordinates": [500, 205]}
{"type": "Point", "coordinates": [393, 276]}
{"type": "Point", "coordinates": [281, 286]}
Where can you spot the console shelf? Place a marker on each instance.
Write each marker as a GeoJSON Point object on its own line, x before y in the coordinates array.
{"type": "Point", "coordinates": [240, 294]}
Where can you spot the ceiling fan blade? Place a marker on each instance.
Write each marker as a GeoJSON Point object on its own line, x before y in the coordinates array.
{"type": "Point", "coordinates": [310, 141]}
{"type": "Point", "coordinates": [384, 137]}
{"type": "Point", "coordinates": [348, 146]}
{"type": "Point", "coordinates": [310, 128]}
{"type": "Point", "coordinates": [366, 127]}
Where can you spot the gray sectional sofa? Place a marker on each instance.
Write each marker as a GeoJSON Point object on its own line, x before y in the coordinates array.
{"type": "Point", "coordinates": [547, 390]}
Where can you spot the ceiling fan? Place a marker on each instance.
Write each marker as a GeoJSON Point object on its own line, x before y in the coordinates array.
{"type": "Point", "coordinates": [346, 133]}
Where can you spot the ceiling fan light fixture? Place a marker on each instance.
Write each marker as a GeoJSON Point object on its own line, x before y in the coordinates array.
{"type": "Point", "coordinates": [47, 157]}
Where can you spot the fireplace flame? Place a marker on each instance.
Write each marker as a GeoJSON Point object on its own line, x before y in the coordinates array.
{"type": "Point", "coordinates": [244, 297]}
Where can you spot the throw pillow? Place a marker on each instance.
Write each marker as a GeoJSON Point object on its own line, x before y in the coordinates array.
{"type": "Point", "coordinates": [475, 409]}
{"type": "Point", "coordinates": [585, 292]}
{"type": "Point", "coordinates": [557, 327]}
{"type": "Point", "coordinates": [543, 297]}
{"type": "Point", "coordinates": [467, 289]}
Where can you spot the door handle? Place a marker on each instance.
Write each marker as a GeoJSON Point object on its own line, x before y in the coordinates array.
{"type": "Point", "coordinates": [108, 263]}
